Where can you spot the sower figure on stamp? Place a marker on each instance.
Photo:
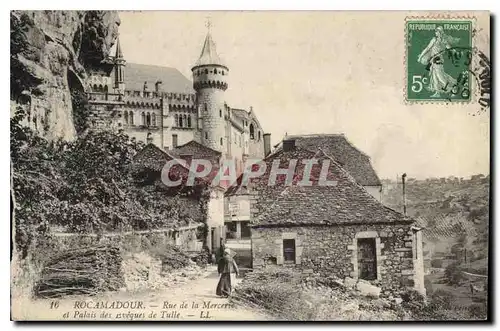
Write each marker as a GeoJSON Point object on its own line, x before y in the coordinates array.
{"type": "Point", "coordinates": [226, 267]}
{"type": "Point", "coordinates": [433, 57]}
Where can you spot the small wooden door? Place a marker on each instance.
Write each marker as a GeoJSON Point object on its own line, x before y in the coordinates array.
{"type": "Point", "coordinates": [367, 259]}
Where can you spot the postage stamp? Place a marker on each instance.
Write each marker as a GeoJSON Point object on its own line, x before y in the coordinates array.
{"type": "Point", "coordinates": [438, 58]}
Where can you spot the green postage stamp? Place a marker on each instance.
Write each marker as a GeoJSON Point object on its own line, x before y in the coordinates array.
{"type": "Point", "coordinates": [438, 58]}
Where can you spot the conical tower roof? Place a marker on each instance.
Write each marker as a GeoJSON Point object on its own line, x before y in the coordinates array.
{"type": "Point", "coordinates": [209, 54]}
{"type": "Point", "coordinates": [118, 54]}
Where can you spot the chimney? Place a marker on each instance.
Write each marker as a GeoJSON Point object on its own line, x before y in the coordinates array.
{"type": "Point", "coordinates": [158, 86]}
{"type": "Point", "coordinates": [267, 144]}
{"type": "Point", "coordinates": [403, 178]}
{"type": "Point", "coordinates": [288, 145]}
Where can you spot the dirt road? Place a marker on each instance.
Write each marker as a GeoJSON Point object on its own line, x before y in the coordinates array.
{"type": "Point", "coordinates": [194, 300]}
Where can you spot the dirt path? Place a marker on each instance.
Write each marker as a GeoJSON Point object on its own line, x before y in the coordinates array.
{"type": "Point", "coordinates": [194, 300]}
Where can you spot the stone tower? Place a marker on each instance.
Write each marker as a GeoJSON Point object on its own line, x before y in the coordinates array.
{"type": "Point", "coordinates": [119, 69]}
{"type": "Point", "coordinates": [210, 82]}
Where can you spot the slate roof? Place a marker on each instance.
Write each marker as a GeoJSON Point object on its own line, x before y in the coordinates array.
{"type": "Point", "coordinates": [209, 54]}
{"type": "Point", "coordinates": [345, 203]}
{"type": "Point", "coordinates": [172, 79]}
{"type": "Point", "coordinates": [342, 151]}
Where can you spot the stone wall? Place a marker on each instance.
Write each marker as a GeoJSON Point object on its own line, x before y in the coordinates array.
{"type": "Point", "coordinates": [325, 251]}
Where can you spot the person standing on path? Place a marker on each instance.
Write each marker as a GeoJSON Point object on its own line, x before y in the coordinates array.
{"type": "Point", "coordinates": [226, 266]}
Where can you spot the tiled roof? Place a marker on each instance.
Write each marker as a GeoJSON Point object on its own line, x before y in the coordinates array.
{"type": "Point", "coordinates": [197, 150]}
{"type": "Point", "coordinates": [341, 150]}
{"type": "Point", "coordinates": [171, 78]}
{"type": "Point", "coordinates": [152, 157]}
{"type": "Point", "coordinates": [347, 202]}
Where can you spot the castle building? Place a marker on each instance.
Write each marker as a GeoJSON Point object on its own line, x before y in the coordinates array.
{"type": "Point", "coordinates": [159, 105]}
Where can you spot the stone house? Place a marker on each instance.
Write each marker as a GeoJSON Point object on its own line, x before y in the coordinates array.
{"type": "Point", "coordinates": [338, 230]}
{"type": "Point", "coordinates": [151, 160]}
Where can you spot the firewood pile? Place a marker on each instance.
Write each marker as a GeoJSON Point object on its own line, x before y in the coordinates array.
{"type": "Point", "coordinates": [88, 271]}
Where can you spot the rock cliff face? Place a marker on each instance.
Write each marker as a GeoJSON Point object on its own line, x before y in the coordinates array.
{"type": "Point", "coordinates": [51, 55]}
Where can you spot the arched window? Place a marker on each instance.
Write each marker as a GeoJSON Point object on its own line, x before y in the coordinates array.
{"type": "Point", "coordinates": [131, 117]}
{"type": "Point", "coordinates": [126, 117]}
{"type": "Point", "coordinates": [106, 88]}
{"type": "Point", "coordinates": [95, 88]}
{"type": "Point", "coordinates": [259, 135]}
{"type": "Point", "coordinates": [252, 133]}
{"type": "Point", "coordinates": [215, 71]}
{"type": "Point", "coordinates": [101, 89]}
{"type": "Point", "coordinates": [148, 119]}
{"type": "Point", "coordinates": [205, 107]}
{"type": "Point", "coordinates": [143, 117]}
{"type": "Point", "coordinates": [176, 120]}
{"type": "Point", "coordinates": [220, 112]}
{"type": "Point", "coordinates": [181, 121]}
{"type": "Point", "coordinates": [221, 142]}
{"type": "Point", "coordinates": [189, 121]}
{"type": "Point", "coordinates": [153, 119]}
{"type": "Point", "coordinates": [206, 71]}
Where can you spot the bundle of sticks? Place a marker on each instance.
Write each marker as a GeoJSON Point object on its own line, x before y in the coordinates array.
{"type": "Point", "coordinates": [88, 270]}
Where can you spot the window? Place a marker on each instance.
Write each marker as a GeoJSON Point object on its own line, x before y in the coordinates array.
{"type": "Point", "coordinates": [189, 121]}
{"type": "Point", "coordinates": [367, 258]}
{"type": "Point", "coordinates": [176, 120]}
{"type": "Point", "coordinates": [259, 135]}
{"type": "Point", "coordinates": [205, 106]}
{"type": "Point", "coordinates": [289, 250]}
{"type": "Point", "coordinates": [174, 140]}
{"type": "Point", "coordinates": [148, 119]}
{"type": "Point", "coordinates": [220, 112]}
{"type": "Point", "coordinates": [180, 121]}
{"type": "Point", "coordinates": [143, 116]}
{"type": "Point", "coordinates": [131, 117]}
{"type": "Point", "coordinates": [206, 135]}
{"type": "Point", "coordinates": [126, 117]}
{"type": "Point", "coordinates": [231, 230]}
{"type": "Point", "coordinates": [153, 119]}
{"type": "Point", "coordinates": [252, 132]}
{"type": "Point", "coordinates": [221, 142]}
{"type": "Point", "coordinates": [206, 71]}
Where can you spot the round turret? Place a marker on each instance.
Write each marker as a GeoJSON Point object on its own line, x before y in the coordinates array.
{"type": "Point", "coordinates": [210, 81]}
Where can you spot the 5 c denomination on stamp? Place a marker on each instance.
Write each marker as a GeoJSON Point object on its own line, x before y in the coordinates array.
{"type": "Point", "coordinates": [438, 57]}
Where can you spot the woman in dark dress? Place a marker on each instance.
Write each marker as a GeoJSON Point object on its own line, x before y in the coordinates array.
{"type": "Point", "coordinates": [226, 266]}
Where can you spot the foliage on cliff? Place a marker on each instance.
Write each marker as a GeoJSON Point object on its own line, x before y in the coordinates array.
{"type": "Point", "coordinates": [87, 185]}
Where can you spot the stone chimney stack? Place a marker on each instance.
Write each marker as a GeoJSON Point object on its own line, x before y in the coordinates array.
{"type": "Point", "coordinates": [267, 144]}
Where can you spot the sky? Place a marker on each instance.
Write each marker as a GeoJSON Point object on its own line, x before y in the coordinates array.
{"type": "Point", "coordinates": [324, 72]}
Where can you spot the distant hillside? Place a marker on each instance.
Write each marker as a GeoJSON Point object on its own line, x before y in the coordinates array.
{"type": "Point", "coordinates": [451, 209]}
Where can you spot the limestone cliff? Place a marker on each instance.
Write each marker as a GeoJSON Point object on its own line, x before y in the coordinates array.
{"type": "Point", "coordinates": [51, 55]}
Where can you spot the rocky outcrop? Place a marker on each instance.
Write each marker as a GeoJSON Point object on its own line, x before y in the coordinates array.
{"type": "Point", "coordinates": [51, 55]}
